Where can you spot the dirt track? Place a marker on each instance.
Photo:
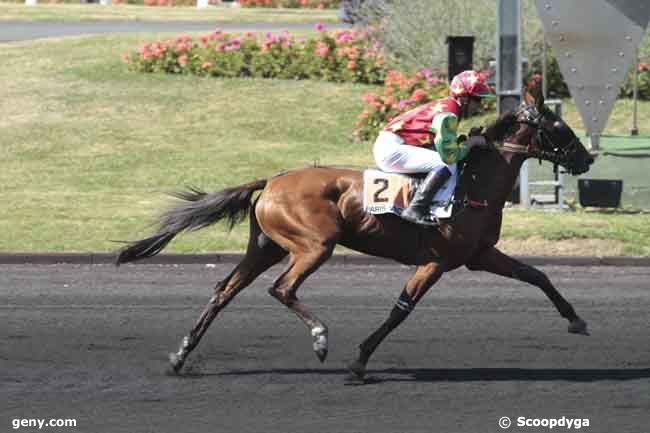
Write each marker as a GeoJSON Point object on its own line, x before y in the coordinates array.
{"type": "Point", "coordinates": [90, 343]}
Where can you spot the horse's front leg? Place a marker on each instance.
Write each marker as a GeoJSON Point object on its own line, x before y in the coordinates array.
{"type": "Point", "coordinates": [425, 277]}
{"type": "Point", "coordinates": [494, 261]}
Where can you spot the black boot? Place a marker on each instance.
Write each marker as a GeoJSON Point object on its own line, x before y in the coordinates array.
{"type": "Point", "coordinates": [418, 210]}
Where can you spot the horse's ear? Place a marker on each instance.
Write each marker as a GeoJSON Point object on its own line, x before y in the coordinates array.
{"type": "Point", "coordinates": [529, 99]}
{"type": "Point", "coordinates": [539, 97]}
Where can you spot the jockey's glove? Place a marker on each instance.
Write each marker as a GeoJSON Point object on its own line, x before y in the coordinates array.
{"type": "Point", "coordinates": [476, 130]}
{"type": "Point", "coordinates": [476, 140]}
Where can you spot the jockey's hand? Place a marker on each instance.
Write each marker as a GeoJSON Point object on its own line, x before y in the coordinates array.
{"type": "Point", "coordinates": [476, 130]}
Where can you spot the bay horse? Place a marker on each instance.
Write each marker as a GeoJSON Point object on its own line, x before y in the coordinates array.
{"type": "Point", "coordinates": [305, 213]}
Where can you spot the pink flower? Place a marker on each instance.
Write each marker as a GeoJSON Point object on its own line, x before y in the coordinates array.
{"type": "Point", "coordinates": [321, 27]}
{"type": "Point", "coordinates": [206, 65]}
{"type": "Point", "coordinates": [182, 60]}
{"type": "Point", "coordinates": [125, 58]}
{"type": "Point", "coordinates": [351, 65]}
{"type": "Point", "coordinates": [322, 49]}
{"type": "Point", "coordinates": [144, 49]}
{"type": "Point", "coordinates": [404, 103]}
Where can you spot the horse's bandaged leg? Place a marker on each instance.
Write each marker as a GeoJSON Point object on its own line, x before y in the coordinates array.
{"type": "Point", "coordinates": [405, 302]}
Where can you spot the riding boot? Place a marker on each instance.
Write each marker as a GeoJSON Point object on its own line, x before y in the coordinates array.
{"type": "Point", "coordinates": [418, 210]}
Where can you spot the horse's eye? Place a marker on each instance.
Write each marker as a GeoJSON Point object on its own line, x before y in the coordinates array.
{"type": "Point", "coordinates": [558, 124]}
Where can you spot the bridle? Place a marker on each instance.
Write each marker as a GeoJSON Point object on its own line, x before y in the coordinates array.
{"type": "Point", "coordinates": [543, 146]}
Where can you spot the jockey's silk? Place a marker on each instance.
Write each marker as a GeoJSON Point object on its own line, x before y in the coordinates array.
{"type": "Point", "coordinates": [414, 126]}
{"type": "Point", "coordinates": [432, 124]}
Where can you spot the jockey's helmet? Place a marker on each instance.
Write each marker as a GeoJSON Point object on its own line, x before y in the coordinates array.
{"type": "Point", "coordinates": [469, 83]}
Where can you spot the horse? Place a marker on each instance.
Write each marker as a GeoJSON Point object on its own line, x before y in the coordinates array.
{"type": "Point", "coordinates": [305, 213]}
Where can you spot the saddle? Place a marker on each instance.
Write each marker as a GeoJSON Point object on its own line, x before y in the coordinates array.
{"type": "Point", "coordinates": [392, 192]}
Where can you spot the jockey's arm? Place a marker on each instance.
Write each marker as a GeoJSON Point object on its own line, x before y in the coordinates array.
{"type": "Point", "coordinates": [447, 143]}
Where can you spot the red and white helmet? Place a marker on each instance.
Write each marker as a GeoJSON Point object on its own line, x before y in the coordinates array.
{"type": "Point", "coordinates": [469, 83]}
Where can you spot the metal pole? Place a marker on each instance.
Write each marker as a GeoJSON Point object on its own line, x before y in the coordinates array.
{"type": "Point", "coordinates": [635, 128]}
{"type": "Point", "coordinates": [524, 191]}
{"type": "Point", "coordinates": [544, 71]}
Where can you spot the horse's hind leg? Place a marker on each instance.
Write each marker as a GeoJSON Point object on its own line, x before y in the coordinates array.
{"type": "Point", "coordinates": [309, 228]}
{"type": "Point", "coordinates": [301, 265]}
{"type": "Point", "coordinates": [494, 261]}
{"type": "Point", "coordinates": [261, 254]}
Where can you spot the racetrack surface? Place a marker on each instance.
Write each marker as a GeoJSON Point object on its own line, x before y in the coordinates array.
{"type": "Point", "coordinates": [90, 343]}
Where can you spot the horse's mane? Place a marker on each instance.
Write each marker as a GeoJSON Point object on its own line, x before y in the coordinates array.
{"type": "Point", "coordinates": [497, 130]}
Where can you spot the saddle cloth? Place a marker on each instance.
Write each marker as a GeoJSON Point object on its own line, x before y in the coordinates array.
{"type": "Point", "coordinates": [392, 192]}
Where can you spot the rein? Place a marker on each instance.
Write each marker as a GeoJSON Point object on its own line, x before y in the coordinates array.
{"type": "Point", "coordinates": [543, 147]}
{"type": "Point", "coordinates": [514, 148]}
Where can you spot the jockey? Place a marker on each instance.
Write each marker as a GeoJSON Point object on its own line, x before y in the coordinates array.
{"type": "Point", "coordinates": [424, 140]}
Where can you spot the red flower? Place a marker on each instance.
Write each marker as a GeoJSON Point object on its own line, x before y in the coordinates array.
{"type": "Point", "coordinates": [418, 95]}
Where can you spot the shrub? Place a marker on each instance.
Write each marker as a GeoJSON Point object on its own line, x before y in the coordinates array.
{"type": "Point", "coordinates": [643, 70]}
{"type": "Point", "coordinates": [343, 56]}
{"type": "Point", "coordinates": [401, 93]}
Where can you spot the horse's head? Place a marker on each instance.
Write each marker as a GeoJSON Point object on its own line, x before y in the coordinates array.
{"type": "Point", "coordinates": [538, 132]}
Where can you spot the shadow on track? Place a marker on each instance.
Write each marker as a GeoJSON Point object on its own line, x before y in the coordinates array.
{"type": "Point", "coordinates": [458, 374]}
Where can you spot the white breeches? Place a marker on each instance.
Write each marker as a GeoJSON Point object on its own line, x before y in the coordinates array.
{"type": "Point", "coordinates": [393, 156]}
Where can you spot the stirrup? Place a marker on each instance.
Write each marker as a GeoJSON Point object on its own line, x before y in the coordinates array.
{"type": "Point", "coordinates": [423, 218]}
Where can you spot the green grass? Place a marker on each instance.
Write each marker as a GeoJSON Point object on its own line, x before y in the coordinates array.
{"type": "Point", "coordinates": [86, 147]}
{"type": "Point", "coordinates": [95, 12]}
{"type": "Point", "coordinates": [630, 230]}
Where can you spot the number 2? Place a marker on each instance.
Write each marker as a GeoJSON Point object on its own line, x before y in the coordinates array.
{"type": "Point", "coordinates": [384, 187]}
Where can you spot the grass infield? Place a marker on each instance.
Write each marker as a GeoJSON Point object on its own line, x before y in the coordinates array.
{"type": "Point", "coordinates": [88, 148]}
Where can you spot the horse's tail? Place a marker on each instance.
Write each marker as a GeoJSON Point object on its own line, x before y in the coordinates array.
{"type": "Point", "coordinates": [200, 210]}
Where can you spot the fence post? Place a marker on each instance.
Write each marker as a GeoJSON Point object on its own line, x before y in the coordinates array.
{"type": "Point", "coordinates": [635, 128]}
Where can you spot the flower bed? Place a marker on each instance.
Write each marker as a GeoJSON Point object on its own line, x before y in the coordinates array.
{"type": "Point", "coordinates": [401, 93]}
{"type": "Point", "coordinates": [313, 4]}
{"type": "Point", "coordinates": [342, 56]}
{"type": "Point", "coordinates": [643, 70]}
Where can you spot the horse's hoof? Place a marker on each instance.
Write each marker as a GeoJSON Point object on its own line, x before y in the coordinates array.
{"type": "Point", "coordinates": [578, 326]}
{"type": "Point", "coordinates": [176, 362]}
{"type": "Point", "coordinates": [320, 342]}
{"type": "Point", "coordinates": [321, 354]}
{"type": "Point", "coordinates": [357, 369]}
